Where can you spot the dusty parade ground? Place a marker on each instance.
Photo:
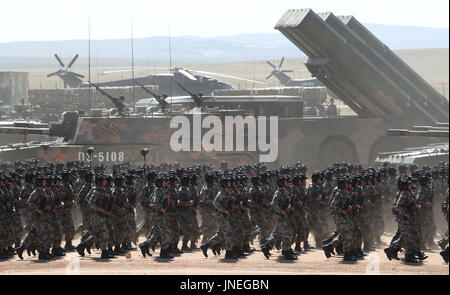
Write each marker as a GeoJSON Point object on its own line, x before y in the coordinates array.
{"type": "Point", "coordinates": [194, 263]}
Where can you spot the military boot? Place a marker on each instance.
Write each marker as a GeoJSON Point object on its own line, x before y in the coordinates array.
{"type": "Point", "coordinates": [442, 243]}
{"type": "Point", "coordinates": [193, 246]}
{"type": "Point", "coordinates": [58, 252]}
{"type": "Point", "coordinates": [410, 258]}
{"type": "Point", "coordinates": [88, 249]}
{"type": "Point", "coordinates": [69, 247]}
{"type": "Point", "coordinates": [175, 249]}
{"type": "Point", "coordinates": [216, 249]}
{"type": "Point", "coordinates": [329, 239]}
{"type": "Point", "coordinates": [105, 254]}
{"type": "Point", "coordinates": [307, 246]}
{"type": "Point", "coordinates": [339, 249]}
{"type": "Point", "coordinates": [349, 257]}
{"type": "Point", "coordinates": [165, 254]}
{"type": "Point", "coordinates": [289, 255]}
{"type": "Point", "coordinates": [80, 248]}
{"type": "Point", "coordinates": [247, 249]}
{"type": "Point", "coordinates": [388, 252]}
{"type": "Point", "coordinates": [3, 254]}
{"type": "Point", "coordinates": [421, 255]}
{"type": "Point", "coordinates": [145, 249]}
{"type": "Point", "coordinates": [360, 252]}
{"type": "Point", "coordinates": [444, 254]}
{"type": "Point", "coordinates": [230, 255]}
{"type": "Point", "coordinates": [298, 248]}
{"type": "Point", "coordinates": [327, 249]}
{"type": "Point", "coordinates": [117, 250]}
{"type": "Point", "coordinates": [19, 252]}
{"type": "Point", "coordinates": [357, 255]}
{"type": "Point", "coordinates": [44, 256]}
{"type": "Point", "coordinates": [240, 252]}
{"type": "Point", "coordinates": [204, 249]}
{"type": "Point", "coordinates": [278, 245]}
{"type": "Point", "coordinates": [266, 251]}
{"type": "Point", "coordinates": [10, 251]}
{"type": "Point", "coordinates": [185, 247]}
{"type": "Point", "coordinates": [123, 249]}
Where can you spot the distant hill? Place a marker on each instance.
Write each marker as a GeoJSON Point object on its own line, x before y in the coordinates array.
{"type": "Point", "coordinates": [194, 49]}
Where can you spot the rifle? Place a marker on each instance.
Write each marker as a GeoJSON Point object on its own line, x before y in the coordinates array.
{"type": "Point", "coordinates": [119, 105]}
{"type": "Point", "coordinates": [196, 97]}
{"type": "Point", "coordinates": [162, 102]}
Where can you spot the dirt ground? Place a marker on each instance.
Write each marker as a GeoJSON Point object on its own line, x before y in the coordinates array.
{"type": "Point", "coordinates": [194, 263]}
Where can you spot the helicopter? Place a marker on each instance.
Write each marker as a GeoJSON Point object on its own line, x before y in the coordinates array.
{"type": "Point", "coordinates": [70, 78]}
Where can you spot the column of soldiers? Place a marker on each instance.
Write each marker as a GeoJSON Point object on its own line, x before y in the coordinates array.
{"type": "Point", "coordinates": [343, 208]}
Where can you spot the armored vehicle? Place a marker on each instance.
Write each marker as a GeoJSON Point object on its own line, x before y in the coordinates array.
{"type": "Point", "coordinates": [421, 155]}
{"type": "Point", "coordinates": [375, 84]}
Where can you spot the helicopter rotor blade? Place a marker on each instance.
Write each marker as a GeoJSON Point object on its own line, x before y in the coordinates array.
{"type": "Point", "coordinates": [228, 76]}
{"type": "Point", "coordinates": [287, 71]}
{"type": "Point", "coordinates": [54, 73]}
{"type": "Point", "coordinates": [59, 60]}
{"type": "Point", "coordinates": [78, 75]}
{"type": "Point", "coordinates": [268, 77]}
{"type": "Point", "coordinates": [281, 62]}
{"type": "Point", "coordinates": [129, 70]}
{"type": "Point", "coordinates": [72, 61]}
{"type": "Point", "coordinates": [271, 64]}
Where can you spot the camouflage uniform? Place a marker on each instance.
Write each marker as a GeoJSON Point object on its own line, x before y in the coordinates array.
{"type": "Point", "coordinates": [159, 201]}
{"type": "Point", "coordinates": [144, 200]}
{"type": "Point", "coordinates": [17, 222]}
{"type": "Point", "coordinates": [282, 230]}
{"type": "Point", "coordinates": [194, 229]}
{"type": "Point", "coordinates": [343, 223]}
{"type": "Point", "coordinates": [408, 225]}
{"type": "Point", "coordinates": [57, 220]}
{"type": "Point", "coordinates": [8, 213]}
{"type": "Point", "coordinates": [317, 221]}
{"type": "Point", "coordinates": [117, 215]}
{"type": "Point", "coordinates": [42, 222]}
{"type": "Point", "coordinates": [299, 214]}
{"type": "Point", "coordinates": [378, 211]}
{"type": "Point", "coordinates": [206, 209]}
{"type": "Point", "coordinates": [98, 230]}
{"type": "Point", "coordinates": [25, 193]}
{"type": "Point", "coordinates": [130, 216]}
{"type": "Point", "coordinates": [83, 203]}
{"type": "Point", "coordinates": [184, 214]}
{"type": "Point", "coordinates": [426, 217]}
{"type": "Point", "coordinates": [4, 223]}
{"type": "Point", "coordinates": [258, 218]}
{"type": "Point", "coordinates": [236, 220]}
{"type": "Point", "coordinates": [222, 203]}
{"type": "Point", "coordinates": [172, 218]}
{"type": "Point", "coordinates": [67, 198]}
{"type": "Point", "coordinates": [266, 209]}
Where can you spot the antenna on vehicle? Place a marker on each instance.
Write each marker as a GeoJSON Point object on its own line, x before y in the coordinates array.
{"type": "Point", "coordinates": [132, 66]}
{"type": "Point", "coordinates": [89, 61]}
{"type": "Point", "coordinates": [170, 62]}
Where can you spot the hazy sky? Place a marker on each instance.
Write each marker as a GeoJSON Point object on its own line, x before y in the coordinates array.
{"type": "Point", "coordinates": [23, 20]}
